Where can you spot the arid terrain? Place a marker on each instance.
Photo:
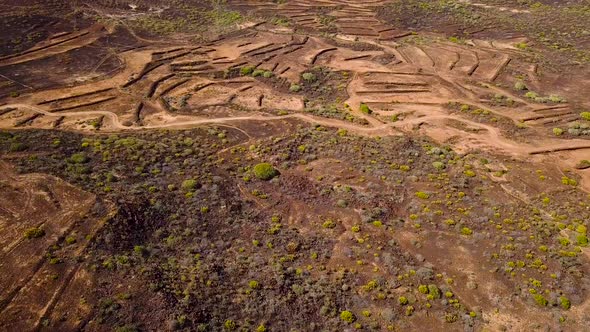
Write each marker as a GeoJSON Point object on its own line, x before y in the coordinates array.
{"type": "Point", "coordinates": [321, 165]}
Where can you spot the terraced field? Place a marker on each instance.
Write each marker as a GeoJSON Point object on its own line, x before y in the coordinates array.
{"type": "Point", "coordinates": [449, 172]}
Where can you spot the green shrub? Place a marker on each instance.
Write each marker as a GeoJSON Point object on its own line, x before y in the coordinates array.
{"type": "Point", "coordinates": [258, 72]}
{"type": "Point", "coordinates": [403, 300]}
{"type": "Point", "coordinates": [79, 158]}
{"type": "Point", "coordinates": [34, 232]}
{"type": "Point", "coordinates": [422, 195]}
{"type": "Point", "coordinates": [329, 224]}
{"type": "Point", "coordinates": [17, 147]}
{"type": "Point", "coordinates": [309, 77]}
{"type": "Point", "coordinates": [295, 87]}
{"type": "Point", "coordinates": [556, 99]}
{"type": "Point", "coordinates": [371, 285]}
{"type": "Point", "coordinates": [347, 316]}
{"type": "Point", "coordinates": [569, 181]}
{"type": "Point", "coordinates": [434, 291]}
{"type": "Point", "coordinates": [265, 171]}
{"type": "Point", "coordinates": [247, 70]}
{"type": "Point", "coordinates": [438, 165]}
{"type": "Point", "coordinates": [466, 231]}
{"type": "Point", "coordinates": [253, 284]}
{"type": "Point", "coordinates": [365, 109]}
{"type": "Point", "coordinates": [188, 185]}
{"type": "Point", "coordinates": [540, 300]}
{"type": "Point", "coordinates": [557, 131]}
{"type": "Point", "coordinates": [229, 325]}
{"type": "Point", "coordinates": [451, 318]}
{"type": "Point", "coordinates": [565, 302]}
{"type": "Point", "coordinates": [519, 86]}
{"type": "Point", "coordinates": [423, 289]}
{"type": "Point", "coordinates": [582, 240]}
{"type": "Point", "coordinates": [585, 116]}
{"type": "Point", "coordinates": [268, 74]}
{"type": "Point", "coordinates": [469, 173]}
{"type": "Point", "coordinates": [140, 250]}
{"type": "Point", "coordinates": [274, 229]}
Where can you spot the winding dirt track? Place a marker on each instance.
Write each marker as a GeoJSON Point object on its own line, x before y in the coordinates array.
{"type": "Point", "coordinates": [492, 134]}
